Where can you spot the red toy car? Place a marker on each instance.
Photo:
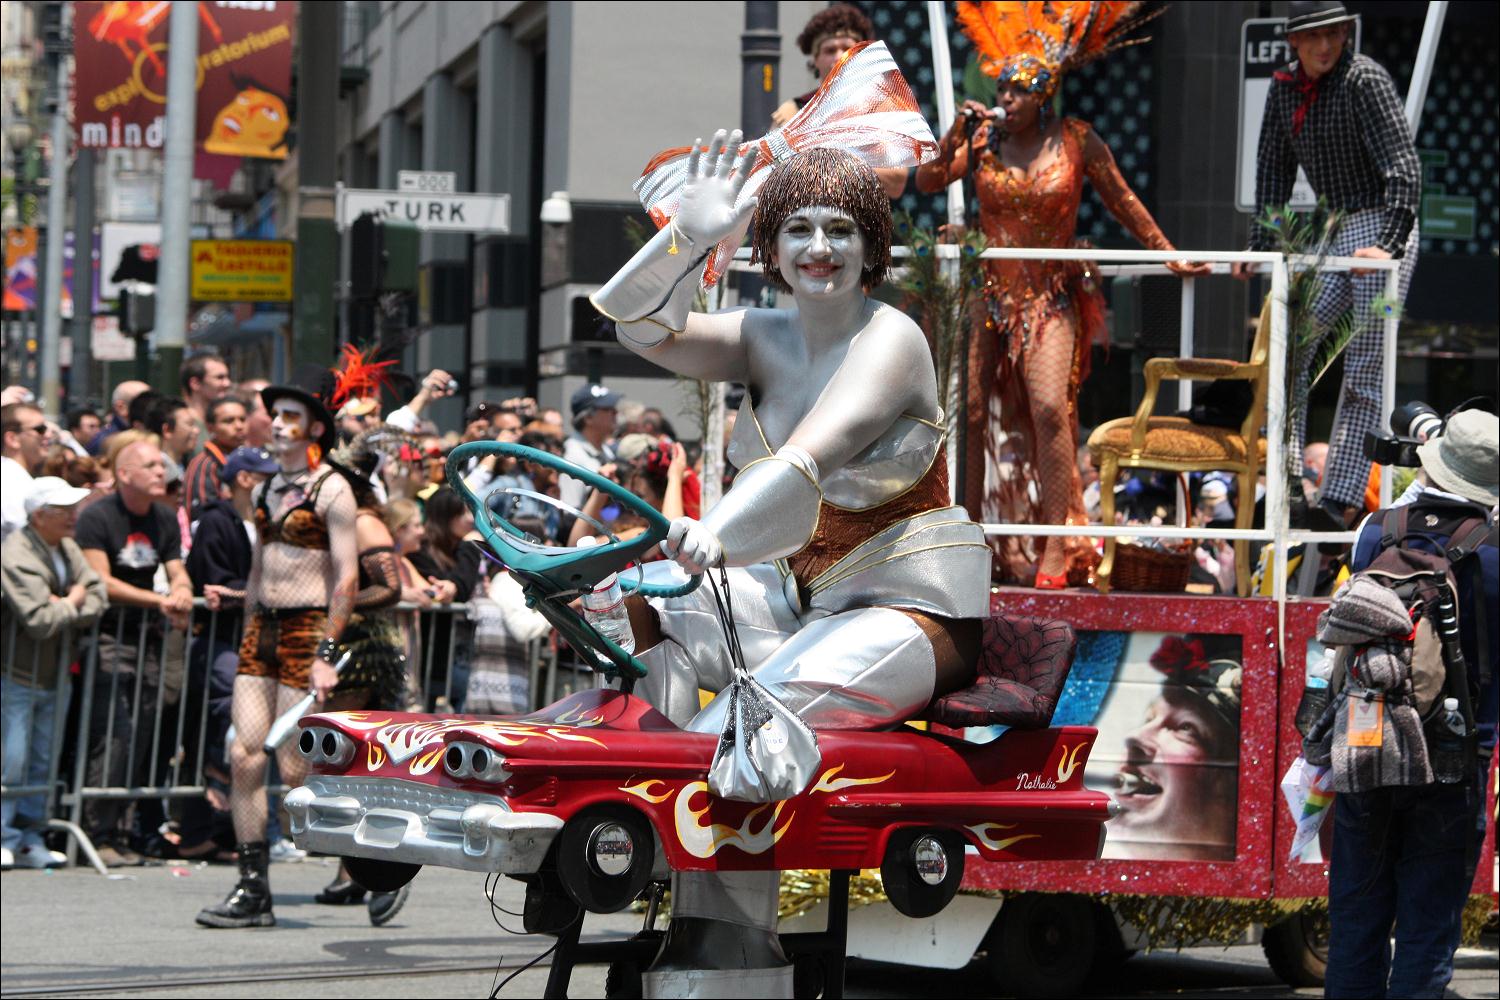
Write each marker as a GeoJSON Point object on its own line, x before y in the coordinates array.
{"type": "Point", "coordinates": [592, 798]}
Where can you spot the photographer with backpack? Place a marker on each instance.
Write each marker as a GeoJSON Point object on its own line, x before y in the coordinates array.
{"type": "Point", "coordinates": [1407, 831]}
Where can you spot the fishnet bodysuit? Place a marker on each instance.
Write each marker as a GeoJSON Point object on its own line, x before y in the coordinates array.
{"type": "Point", "coordinates": [291, 517]}
{"type": "Point", "coordinates": [293, 570]}
{"type": "Point", "coordinates": [1032, 331]}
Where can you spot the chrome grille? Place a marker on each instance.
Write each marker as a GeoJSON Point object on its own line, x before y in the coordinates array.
{"type": "Point", "coordinates": [385, 793]}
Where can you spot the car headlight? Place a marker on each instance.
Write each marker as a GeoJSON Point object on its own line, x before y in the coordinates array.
{"type": "Point", "coordinates": [322, 745]}
{"type": "Point", "coordinates": [473, 760]}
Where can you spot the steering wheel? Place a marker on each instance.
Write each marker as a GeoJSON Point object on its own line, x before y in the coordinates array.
{"type": "Point", "coordinates": [571, 567]}
{"type": "Point", "coordinates": [551, 572]}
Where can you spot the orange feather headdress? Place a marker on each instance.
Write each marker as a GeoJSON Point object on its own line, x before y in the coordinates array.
{"type": "Point", "coordinates": [1037, 42]}
{"type": "Point", "coordinates": [359, 375]}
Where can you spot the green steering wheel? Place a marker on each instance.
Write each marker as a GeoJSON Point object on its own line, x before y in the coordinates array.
{"type": "Point", "coordinates": [551, 573]}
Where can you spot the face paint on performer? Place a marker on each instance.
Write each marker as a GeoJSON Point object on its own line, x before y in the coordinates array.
{"type": "Point", "coordinates": [289, 429]}
{"type": "Point", "coordinates": [820, 251]}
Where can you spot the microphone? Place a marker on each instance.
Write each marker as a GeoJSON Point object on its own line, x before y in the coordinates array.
{"type": "Point", "coordinates": [997, 114]}
{"type": "Point", "coordinates": [972, 118]}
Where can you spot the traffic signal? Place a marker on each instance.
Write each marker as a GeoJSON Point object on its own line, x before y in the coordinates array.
{"type": "Point", "coordinates": [137, 309]}
{"type": "Point", "coordinates": [382, 256]}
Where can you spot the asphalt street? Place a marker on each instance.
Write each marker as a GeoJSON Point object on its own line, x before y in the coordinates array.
{"type": "Point", "coordinates": [74, 933]}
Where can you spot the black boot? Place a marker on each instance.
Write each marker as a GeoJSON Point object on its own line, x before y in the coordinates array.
{"type": "Point", "coordinates": [342, 891]}
{"type": "Point", "coordinates": [249, 903]}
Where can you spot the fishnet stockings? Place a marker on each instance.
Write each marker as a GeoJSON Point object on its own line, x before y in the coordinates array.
{"type": "Point", "coordinates": [258, 701]}
{"type": "Point", "coordinates": [1047, 370]}
{"type": "Point", "coordinates": [1022, 442]}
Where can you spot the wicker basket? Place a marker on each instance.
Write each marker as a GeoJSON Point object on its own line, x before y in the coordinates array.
{"type": "Point", "coordinates": [1138, 568]}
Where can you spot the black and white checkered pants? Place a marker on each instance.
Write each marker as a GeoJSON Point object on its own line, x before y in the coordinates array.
{"type": "Point", "coordinates": [1347, 471]}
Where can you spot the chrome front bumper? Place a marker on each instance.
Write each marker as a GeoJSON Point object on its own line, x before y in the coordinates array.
{"type": "Point", "coordinates": [405, 821]}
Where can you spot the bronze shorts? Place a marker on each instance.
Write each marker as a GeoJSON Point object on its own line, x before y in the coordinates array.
{"type": "Point", "coordinates": [282, 644]}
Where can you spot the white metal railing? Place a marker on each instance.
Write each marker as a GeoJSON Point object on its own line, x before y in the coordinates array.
{"type": "Point", "coordinates": [1154, 262]}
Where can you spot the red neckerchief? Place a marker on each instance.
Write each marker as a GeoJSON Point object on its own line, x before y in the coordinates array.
{"type": "Point", "coordinates": [1306, 86]}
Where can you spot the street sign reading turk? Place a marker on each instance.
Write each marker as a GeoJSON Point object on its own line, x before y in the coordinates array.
{"type": "Point", "coordinates": [434, 213]}
{"type": "Point", "coordinates": [1263, 51]}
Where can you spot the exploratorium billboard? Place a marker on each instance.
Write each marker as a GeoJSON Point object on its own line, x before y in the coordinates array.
{"type": "Point", "coordinates": [244, 76]}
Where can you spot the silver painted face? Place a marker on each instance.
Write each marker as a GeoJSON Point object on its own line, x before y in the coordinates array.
{"type": "Point", "coordinates": [820, 251]}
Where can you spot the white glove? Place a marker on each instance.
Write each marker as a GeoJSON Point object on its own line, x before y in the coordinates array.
{"type": "Point", "coordinates": [716, 173]}
{"type": "Point", "coordinates": [692, 545]}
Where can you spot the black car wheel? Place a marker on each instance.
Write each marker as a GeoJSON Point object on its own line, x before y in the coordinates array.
{"type": "Point", "coordinates": [1297, 949]}
{"type": "Point", "coordinates": [604, 858]}
{"type": "Point", "coordinates": [922, 870]}
{"type": "Point", "coordinates": [380, 876]}
{"type": "Point", "coordinates": [1043, 944]}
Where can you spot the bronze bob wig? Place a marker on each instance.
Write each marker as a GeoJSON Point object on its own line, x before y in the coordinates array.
{"type": "Point", "coordinates": [824, 177]}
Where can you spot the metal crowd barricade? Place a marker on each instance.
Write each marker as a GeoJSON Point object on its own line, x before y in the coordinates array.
{"type": "Point", "coordinates": [145, 698]}
{"type": "Point", "coordinates": [143, 702]}
{"type": "Point", "coordinates": [15, 690]}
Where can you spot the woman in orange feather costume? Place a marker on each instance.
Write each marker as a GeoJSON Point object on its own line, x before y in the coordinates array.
{"type": "Point", "coordinates": [1036, 319]}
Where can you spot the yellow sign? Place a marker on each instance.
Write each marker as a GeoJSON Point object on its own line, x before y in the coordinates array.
{"type": "Point", "coordinates": [242, 270]}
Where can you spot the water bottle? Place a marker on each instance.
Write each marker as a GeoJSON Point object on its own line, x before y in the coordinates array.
{"type": "Point", "coordinates": [604, 608]}
{"type": "Point", "coordinates": [1445, 751]}
{"type": "Point", "coordinates": [1314, 692]}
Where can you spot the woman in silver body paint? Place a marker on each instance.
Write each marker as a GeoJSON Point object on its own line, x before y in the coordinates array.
{"type": "Point", "coordinates": [857, 587]}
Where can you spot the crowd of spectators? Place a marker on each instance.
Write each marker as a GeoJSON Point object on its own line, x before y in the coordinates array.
{"type": "Point", "coordinates": [129, 537]}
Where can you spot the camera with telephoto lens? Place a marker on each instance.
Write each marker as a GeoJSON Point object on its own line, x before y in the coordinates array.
{"type": "Point", "coordinates": [1414, 424]}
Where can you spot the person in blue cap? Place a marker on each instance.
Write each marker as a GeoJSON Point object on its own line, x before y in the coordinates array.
{"type": "Point", "coordinates": [594, 416]}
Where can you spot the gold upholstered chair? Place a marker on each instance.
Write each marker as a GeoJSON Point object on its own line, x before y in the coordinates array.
{"type": "Point", "coordinates": [1176, 444]}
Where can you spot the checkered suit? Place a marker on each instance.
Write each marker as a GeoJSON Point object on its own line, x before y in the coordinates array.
{"type": "Point", "coordinates": [1359, 410]}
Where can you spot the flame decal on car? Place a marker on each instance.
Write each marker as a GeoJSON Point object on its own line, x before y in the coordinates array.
{"type": "Point", "coordinates": [982, 832]}
{"type": "Point", "coordinates": [360, 722]}
{"type": "Point", "coordinates": [1068, 762]}
{"type": "Point", "coordinates": [374, 757]}
{"type": "Point", "coordinates": [405, 740]}
{"type": "Point", "coordinates": [575, 718]}
{"type": "Point", "coordinates": [425, 763]}
{"type": "Point", "coordinates": [643, 790]}
{"type": "Point", "coordinates": [705, 841]}
{"type": "Point", "coordinates": [828, 783]}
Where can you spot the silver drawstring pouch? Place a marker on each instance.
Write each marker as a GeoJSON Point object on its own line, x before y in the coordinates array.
{"type": "Point", "coordinates": [766, 752]}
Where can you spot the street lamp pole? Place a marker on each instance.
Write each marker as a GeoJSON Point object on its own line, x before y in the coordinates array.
{"type": "Point", "coordinates": [19, 133]}
{"type": "Point", "coordinates": [50, 344]}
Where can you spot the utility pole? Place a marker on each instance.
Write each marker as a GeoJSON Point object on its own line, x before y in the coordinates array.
{"type": "Point", "coordinates": [48, 354]}
{"type": "Point", "coordinates": [177, 195]}
{"type": "Point", "coordinates": [760, 55]}
{"type": "Point", "coordinates": [80, 375]}
{"type": "Point", "coordinates": [317, 272]}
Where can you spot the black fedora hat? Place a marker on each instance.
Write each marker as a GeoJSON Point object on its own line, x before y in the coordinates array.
{"type": "Point", "coordinates": [1304, 16]}
{"type": "Point", "coordinates": [312, 386]}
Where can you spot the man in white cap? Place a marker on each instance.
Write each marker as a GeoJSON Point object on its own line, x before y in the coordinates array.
{"type": "Point", "coordinates": [50, 587]}
{"type": "Point", "coordinates": [1404, 858]}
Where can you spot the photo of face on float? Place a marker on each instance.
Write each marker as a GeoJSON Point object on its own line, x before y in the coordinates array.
{"type": "Point", "coordinates": [1169, 742]}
